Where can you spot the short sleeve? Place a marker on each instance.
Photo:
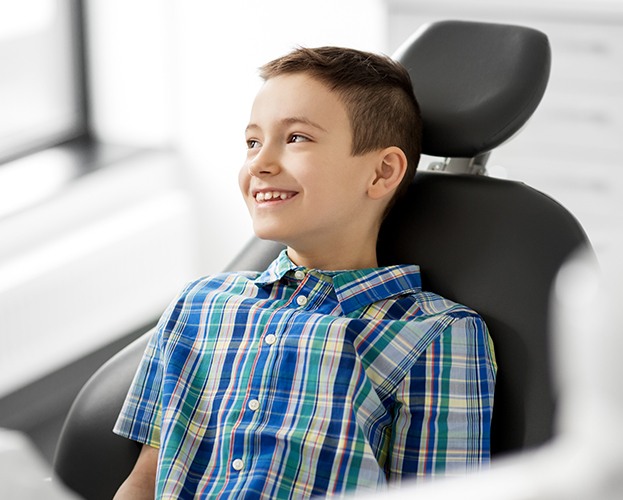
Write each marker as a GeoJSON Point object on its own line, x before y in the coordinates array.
{"type": "Point", "coordinates": [140, 415]}
{"type": "Point", "coordinates": [444, 406]}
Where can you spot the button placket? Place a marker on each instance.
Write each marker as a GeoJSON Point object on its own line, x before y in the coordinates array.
{"type": "Point", "coordinates": [266, 355]}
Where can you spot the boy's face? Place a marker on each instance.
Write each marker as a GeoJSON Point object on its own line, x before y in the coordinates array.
{"type": "Point", "coordinates": [300, 182]}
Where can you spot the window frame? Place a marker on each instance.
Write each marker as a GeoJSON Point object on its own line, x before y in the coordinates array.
{"type": "Point", "coordinates": [78, 130]}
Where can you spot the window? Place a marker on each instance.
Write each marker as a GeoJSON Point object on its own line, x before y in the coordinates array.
{"type": "Point", "coordinates": [41, 82]}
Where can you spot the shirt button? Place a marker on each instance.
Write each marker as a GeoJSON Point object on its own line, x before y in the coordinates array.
{"type": "Point", "coordinates": [254, 404]}
{"type": "Point", "coordinates": [301, 300]}
{"type": "Point", "coordinates": [270, 339]}
{"type": "Point", "coordinates": [299, 275]}
{"type": "Point", "coordinates": [237, 464]}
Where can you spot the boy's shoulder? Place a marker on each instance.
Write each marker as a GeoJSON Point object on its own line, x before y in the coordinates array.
{"type": "Point", "coordinates": [433, 304]}
{"type": "Point", "coordinates": [226, 277]}
{"type": "Point", "coordinates": [222, 277]}
{"type": "Point", "coordinates": [230, 281]}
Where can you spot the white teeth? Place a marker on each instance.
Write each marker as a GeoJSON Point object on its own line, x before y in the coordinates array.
{"type": "Point", "coordinates": [272, 195]}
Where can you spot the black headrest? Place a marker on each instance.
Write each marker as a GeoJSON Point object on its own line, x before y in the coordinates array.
{"type": "Point", "coordinates": [477, 83]}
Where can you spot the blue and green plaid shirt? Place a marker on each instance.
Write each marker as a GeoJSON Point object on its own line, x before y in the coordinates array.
{"type": "Point", "coordinates": [297, 382]}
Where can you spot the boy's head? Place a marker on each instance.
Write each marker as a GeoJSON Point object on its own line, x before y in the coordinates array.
{"type": "Point", "coordinates": [333, 136]}
{"type": "Point", "coordinates": [376, 90]}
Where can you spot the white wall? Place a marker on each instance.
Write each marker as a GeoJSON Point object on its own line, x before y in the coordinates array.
{"type": "Point", "coordinates": [184, 73]}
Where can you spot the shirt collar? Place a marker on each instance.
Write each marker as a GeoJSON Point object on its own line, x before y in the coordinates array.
{"type": "Point", "coordinates": [354, 288]}
{"type": "Point", "coordinates": [276, 270]}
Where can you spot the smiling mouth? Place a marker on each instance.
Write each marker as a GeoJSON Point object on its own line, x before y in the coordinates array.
{"type": "Point", "coordinates": [266, 196]}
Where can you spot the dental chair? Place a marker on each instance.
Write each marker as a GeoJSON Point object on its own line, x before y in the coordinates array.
{"type": "Point", "coordinates": [493, 245]}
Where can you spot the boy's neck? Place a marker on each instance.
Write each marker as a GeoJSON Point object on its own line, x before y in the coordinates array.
{"type": "Point", "coordinates": [333, 260]}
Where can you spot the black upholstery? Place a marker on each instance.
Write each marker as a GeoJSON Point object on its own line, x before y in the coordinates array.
{"type": "Point", "coordinates": [493, 245]}
{"type": "Point", "coordinates": [90, 459]}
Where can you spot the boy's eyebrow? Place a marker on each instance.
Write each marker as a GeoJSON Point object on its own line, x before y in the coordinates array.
{"type": "Point", "coordinates": [292, 120]}
{"type": "Point", "coordinates": [302, 119]}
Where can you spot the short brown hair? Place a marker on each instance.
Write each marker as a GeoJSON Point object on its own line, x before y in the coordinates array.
{"type": "Point", "coordinates": [376, 90]}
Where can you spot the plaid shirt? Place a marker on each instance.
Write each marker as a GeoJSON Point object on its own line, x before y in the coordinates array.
{"type": "Point", "coordinates": [296, 382]}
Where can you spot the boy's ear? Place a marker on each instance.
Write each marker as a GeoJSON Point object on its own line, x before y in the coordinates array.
{"type": "Point", "coordinates": [389, 171]}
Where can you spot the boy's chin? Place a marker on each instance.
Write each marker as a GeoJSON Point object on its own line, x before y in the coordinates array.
{"type": "Point", "coordinates": [269, 235]}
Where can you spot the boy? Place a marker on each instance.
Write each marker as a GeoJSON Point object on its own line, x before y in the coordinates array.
{"type": "Point", "coordinates": [325, 373]}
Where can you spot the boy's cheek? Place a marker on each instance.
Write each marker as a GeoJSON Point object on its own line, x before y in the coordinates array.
{"type": "Point", "coordinates": [244, 180]}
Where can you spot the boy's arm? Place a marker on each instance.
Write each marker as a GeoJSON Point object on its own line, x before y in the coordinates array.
{"type": "Point", "coordinates": [443, 407]}
{"type": "Point", "coordinates": [141, 483]}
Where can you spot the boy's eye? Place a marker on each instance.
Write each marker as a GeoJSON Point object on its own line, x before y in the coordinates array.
{"type": "Point", "coordinates": [297, 138]}
{"type": "Point", "coordinates": [252, 144]}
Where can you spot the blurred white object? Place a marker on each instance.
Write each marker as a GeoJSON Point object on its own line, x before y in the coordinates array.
{"type": "Point", "coordinates": [24, 474]}
{"type": "Point", "coordinates": [585, 459]}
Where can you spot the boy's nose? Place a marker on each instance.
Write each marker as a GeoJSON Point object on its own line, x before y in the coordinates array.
{"type": "Point", "coordinates": [264, 163]}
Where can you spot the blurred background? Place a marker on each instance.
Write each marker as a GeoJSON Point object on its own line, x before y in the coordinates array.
{"type": "Point", "coordinates": [122, 132]}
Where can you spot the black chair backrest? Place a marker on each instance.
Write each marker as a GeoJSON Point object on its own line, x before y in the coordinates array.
{"type": "Point", "coordinates": [493, 245]}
